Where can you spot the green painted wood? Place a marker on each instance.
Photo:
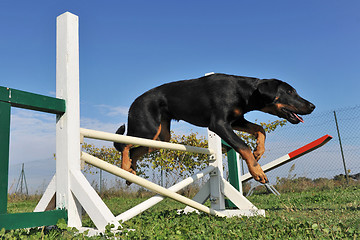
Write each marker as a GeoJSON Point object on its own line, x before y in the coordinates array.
{"type": "Point", "coordinates": [32, 101]}
{"type": "Point", "coordinates": [5, 109]}
{"type": "Point", "coordinates": [31, 219]}
{"type": "Point", "coordinates": [233, 172]}
{"type": "Point", "coordinates": [16, 98]}
{"type": "Point", "coordinates": [232, 165]}
{"type": "Point", "coordinates": [233, 175]}
{"type": "Point", "coordinates": [233, 169]}
{"type": "Point", "coordinates": [227, 146]}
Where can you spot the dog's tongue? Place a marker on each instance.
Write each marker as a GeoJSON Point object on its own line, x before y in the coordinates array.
{"type": "Point", "coordinates": [298, 117]}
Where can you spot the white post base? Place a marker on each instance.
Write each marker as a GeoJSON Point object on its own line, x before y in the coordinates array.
{"type": "Point", "coordinates": [245, 207]}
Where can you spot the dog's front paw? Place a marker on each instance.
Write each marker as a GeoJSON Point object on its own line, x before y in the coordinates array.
{"type": "Point", "coordinates": [257, 173]}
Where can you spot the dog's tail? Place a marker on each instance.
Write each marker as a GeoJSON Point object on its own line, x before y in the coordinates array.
{"type": "Point", "coordinates": [120, 146]}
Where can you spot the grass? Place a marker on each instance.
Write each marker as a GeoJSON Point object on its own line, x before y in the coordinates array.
{"type": "Point", "coordinates": [22, 203]}
{"type": "Point", "coordinates": [310, 214]}
{"type": "Point", "coordinates": [325, 214]}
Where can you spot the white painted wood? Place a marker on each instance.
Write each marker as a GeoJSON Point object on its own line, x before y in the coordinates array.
{"type": "Point", "coordinates": [91, 201]}
{"type": "Point", "coordinates": [158, 198]}
{"type": "Point", "coordinates": [204, 193]}
{"type": "Point", "coordinates": [238, 165]}
{"type": "Point", "coordinates": [88, 133]}
{"type": "Point", "coordinates": [216, 197]}
{"type": "Point", "coordinates": [243, 212]}
{"type": "Point", "coordinates": [95, 232]}
{"type": "Point", "coordinates": [145, 183]}
{"type": "Point", "coordinates": [236, 197]}
{"type": "Point", "coordinates": [276, 163]}
{"type": "Point", "coordinates": [200, 197]}
{"type": "Point", "coordinates": [48, 195]}
{"type": "Point", "coordinates": [67, 125]}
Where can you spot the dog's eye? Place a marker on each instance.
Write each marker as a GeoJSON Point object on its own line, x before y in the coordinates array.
{"type": "Point", "coordinates": [291, 91]}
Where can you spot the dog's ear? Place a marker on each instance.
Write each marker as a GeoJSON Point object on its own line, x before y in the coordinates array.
{"type": "Point", "coordinates": [268, 89]}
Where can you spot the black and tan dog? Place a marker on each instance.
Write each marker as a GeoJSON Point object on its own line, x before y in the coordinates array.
{"type": "Point", "coordinates": [217, 101]}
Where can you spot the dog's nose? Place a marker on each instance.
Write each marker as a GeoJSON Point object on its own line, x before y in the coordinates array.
{"type": "Point", "coordinates": [311, 106]}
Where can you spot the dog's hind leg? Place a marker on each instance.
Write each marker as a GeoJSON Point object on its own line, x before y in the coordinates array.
{"type": "Point", "coordinates": [124, 149]}
{"type": "Point", "coordinates": [162, 134]}
{"type": "Point", "coordinates": [126, 160]}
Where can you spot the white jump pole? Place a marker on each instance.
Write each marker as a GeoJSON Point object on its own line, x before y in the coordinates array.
{"type": "Point", "coordinates": [73, 191]}
{"type": "Point", "coordinates": [158, 198]}
{"type": "Point", "coordinates": [216, 196]}
{"type": "Point", "coordinates": [147, 184]}
{"type": "Point", "coordinates": [68, 125]}
{"type": "Point", "coordinates": [69, 188]}
{"type": "Point", "coordinates": [141, 141]}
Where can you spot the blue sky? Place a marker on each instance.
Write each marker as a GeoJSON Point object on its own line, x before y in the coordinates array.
{"type": "Point", "coordinates": [128, 47]}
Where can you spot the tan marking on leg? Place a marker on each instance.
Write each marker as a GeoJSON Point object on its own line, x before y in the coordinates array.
{"type": "Point", "coordinates": [259, 133]}
{"type": "Point", "coordinates": [126, 161]}
{"type": "Point", "coordinates": [157, 133]}
{"type": "Point", "coordinates": [237, 112]}
{"type": "Point", "coordinates": [156, 137]}
{"type": "Point", "coordinates": [165, 131]}
{"type": "Point", "coordinates": [260, 145]}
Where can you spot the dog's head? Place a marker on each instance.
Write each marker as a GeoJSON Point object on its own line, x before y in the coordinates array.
{"type": "Point", "coordinates": [282, 100]}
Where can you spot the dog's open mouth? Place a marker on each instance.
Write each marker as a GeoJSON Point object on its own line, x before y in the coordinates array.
{"type": "Point", "coordinates": [292, 117]}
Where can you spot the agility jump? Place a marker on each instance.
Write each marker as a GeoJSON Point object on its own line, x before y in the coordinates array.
{"type": "Point", "coordinates": [69, 191]}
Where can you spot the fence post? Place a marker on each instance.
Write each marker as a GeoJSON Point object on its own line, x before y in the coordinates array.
{"type": "Point", "coordinates": [216, 196]}
{"type": "Point", "coordinates": [4, 154]}
{"type": "Point", "coordinates": [341, 148]}
{"type": "Point", "coordinates": [68, 124]}
{"type": "Point", "coordinates": [101, 182]}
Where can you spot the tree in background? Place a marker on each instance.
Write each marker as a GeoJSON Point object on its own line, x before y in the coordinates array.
{"type": "Point", "coordinates": [176, 165]}
{"type": "Point", "coordinates": [108, 154]}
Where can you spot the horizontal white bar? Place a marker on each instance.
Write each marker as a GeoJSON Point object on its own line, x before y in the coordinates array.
{"type": "Point", "coordinates": [146, 184]}
{"type": "Point", "coordinates": [158, 198]}
{"type": "Point", "coordinates": [88, 133]}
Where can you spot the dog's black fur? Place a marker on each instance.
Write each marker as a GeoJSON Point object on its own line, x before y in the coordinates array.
{"type": "Point", "coordinates": [216, 101]}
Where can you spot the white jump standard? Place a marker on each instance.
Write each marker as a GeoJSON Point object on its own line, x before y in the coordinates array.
{"type": "Point", "coordinates": [69, 185]}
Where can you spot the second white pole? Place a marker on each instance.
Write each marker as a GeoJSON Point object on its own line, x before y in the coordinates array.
{"type": "Point", "coordinates": [146, 184]}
